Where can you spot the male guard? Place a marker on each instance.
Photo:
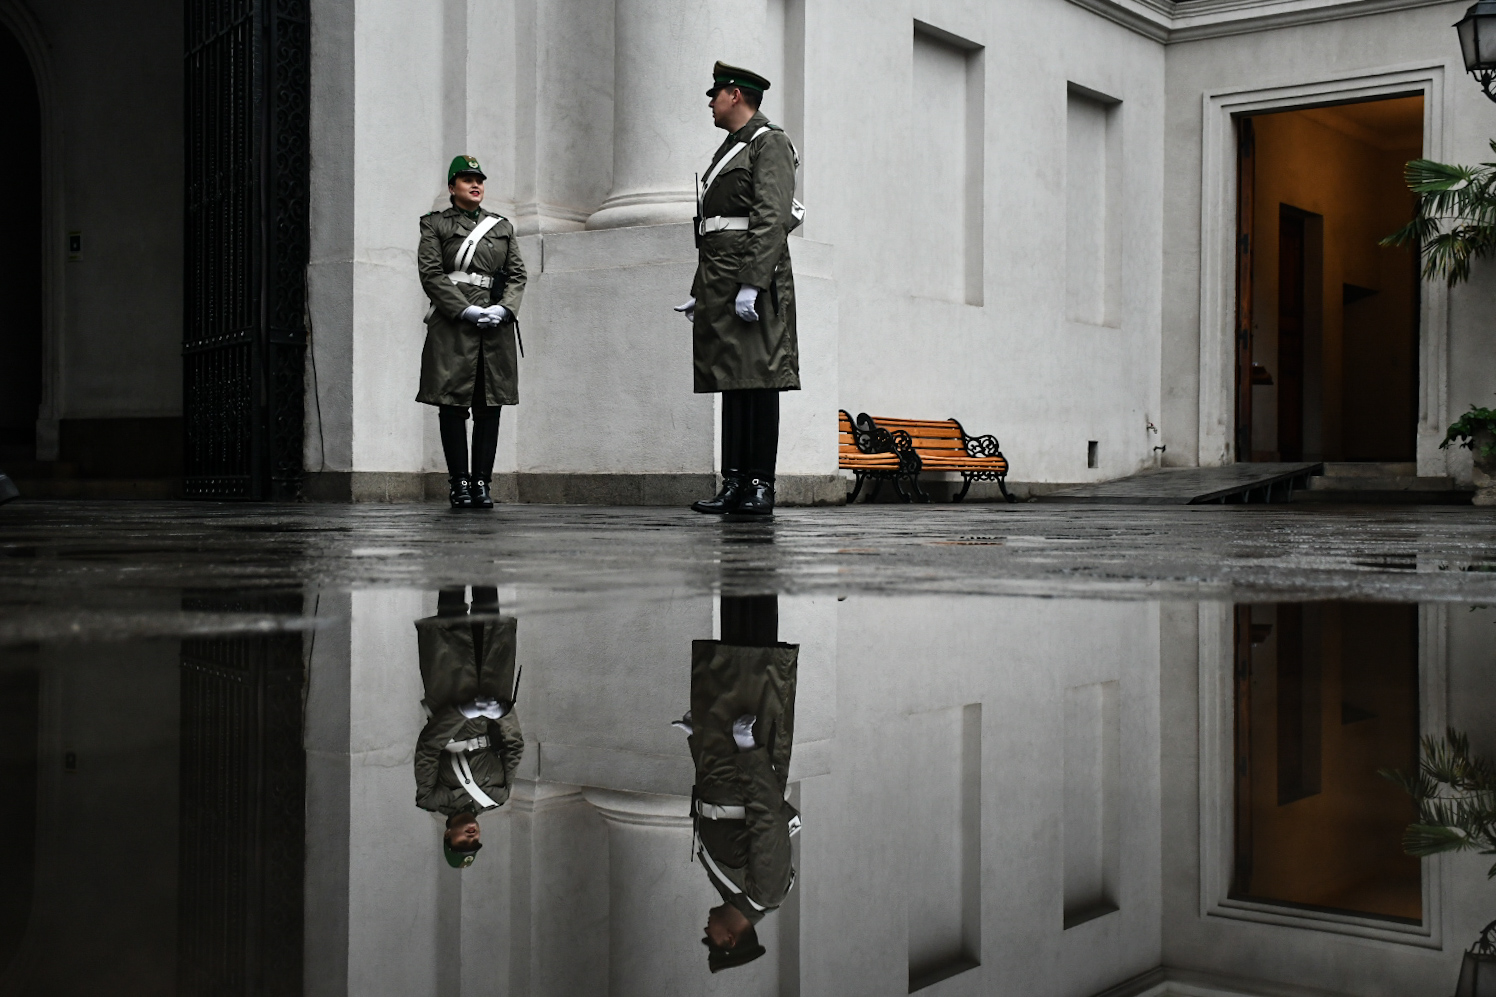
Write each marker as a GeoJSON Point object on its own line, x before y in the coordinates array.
{"type": "Point", "coordinates": [742, 305]}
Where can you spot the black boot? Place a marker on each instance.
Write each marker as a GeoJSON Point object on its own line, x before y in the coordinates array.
{"type": "Point", "coordinates": [461, 494]}
{"type": "Point", "coordinates": [482, 498]}
{"type": "Point", "coordinates": [725, 500]}
{"type": "Point", "coordinates": [758, 498]}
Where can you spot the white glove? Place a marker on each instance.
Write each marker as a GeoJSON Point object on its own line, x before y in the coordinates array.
{"type": "Point", "coordinates": [472, 313]}
{"type": "Point", "coordinates": [688, 309]}
{"type": "Point", "coordinates": [684, 723]}
{"type": "Point", "coordinates": [742, 732]}
{"type": "Point", "coordinates": [495, 315]}
{"type": "Point", "coordinates": [484, 706]}
{"type": "Point", "coordinates": [747, 304]}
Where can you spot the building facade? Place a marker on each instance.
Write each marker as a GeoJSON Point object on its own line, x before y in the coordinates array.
{"type": "Point", "coordinates": [1025, 215]}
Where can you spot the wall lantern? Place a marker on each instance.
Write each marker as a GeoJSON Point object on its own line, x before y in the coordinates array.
{"type": "Point", "coordinates": [1478, 44]}
{"type": "Point", "coordinates": [1478, 970]}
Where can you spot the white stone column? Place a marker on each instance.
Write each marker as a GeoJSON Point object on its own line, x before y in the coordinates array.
{"type": "Point", "coordinates": [658, 897]}
{"type": "Point", "coordinates": [662, 129]}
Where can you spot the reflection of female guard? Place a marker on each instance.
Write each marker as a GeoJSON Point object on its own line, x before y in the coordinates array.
{"type": "Point", "coordinates": [472, 272]}
{"type": "Point", "coordinates": [741, 731]}
{"type": "Point", "coordinates": [471, 745]}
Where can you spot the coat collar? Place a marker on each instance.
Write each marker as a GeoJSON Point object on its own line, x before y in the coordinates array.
{"type": "Point", "coordinates": [453, 211]}
{"type": "Point", "coordinates": [756, 122]}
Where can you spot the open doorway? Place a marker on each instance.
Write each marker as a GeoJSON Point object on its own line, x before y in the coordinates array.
{"type": "Point", "coordinates": [20, 256]}
{"type": "Point", "coordinates": [1327, 355]}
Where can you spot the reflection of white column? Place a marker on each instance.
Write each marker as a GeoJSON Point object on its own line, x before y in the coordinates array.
{"type": "Point", "coordinates": [662, 129]}
{"type": "Point", "coordinates": [657, 895]}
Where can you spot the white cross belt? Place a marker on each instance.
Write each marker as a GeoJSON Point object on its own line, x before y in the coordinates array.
{"type": "Point", "coordinates": [724, 223]}
{"type": "Point", "coordinates": [458, 277]}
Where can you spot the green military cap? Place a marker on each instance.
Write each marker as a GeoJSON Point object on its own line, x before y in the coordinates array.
{"type": "Point", "coordinates": [747, 950]}
{"type": "Point", "coordinates": [724, 75]}
{"type": "Point", "coordinates": [456, 859]}
{"type": "Point", "coordinates": [464, 164]}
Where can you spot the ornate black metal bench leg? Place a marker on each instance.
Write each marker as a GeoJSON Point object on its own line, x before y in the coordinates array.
{"type": "Point", "coordinates": [857, 488]}
{"type": "Point", "coordinates": [873, 495]}
{"type": "Point", "coordinates": [898, 484]}
{"type": "Point", "coordinates": [914, 483]}
{"type": "Point", "coordinates": [1002, 485]}
{"type": "Point", "coordinates": [964, 489]}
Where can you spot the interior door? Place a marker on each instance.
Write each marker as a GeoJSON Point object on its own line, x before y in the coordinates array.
{"type": "Point", "coordinates": [1246, 178]}
{"type": "Point", "coordinates": [1291, 316]}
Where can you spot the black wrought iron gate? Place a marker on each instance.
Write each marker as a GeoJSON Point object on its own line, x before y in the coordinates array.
{"type": "Point", "coordinates": [242, 821]}
{"type": "Point", "coordinates": [244, 336]}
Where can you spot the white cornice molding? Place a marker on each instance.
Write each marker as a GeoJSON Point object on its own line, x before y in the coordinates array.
{"type": "Point", "coordinates": [1171, 21]}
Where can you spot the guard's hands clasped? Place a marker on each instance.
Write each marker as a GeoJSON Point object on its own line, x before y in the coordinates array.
{"type": "Point", "coordinates": [688, 309]}
{"type": "Point", "coordinates": [495, 315]}
{"type": "Point", "coordinates": [484, 317]}
{"type": "Point", "coordinates": [746, 304]}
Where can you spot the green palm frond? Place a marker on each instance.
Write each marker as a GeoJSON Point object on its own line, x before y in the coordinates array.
{"type": "Point", "coordinates": [1454, 793]}
{"type": "Point", "coordinates": [1454, 220]}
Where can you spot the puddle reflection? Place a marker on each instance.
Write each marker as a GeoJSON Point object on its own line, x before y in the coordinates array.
{"type": "Point", "coordinates": [997, 795]}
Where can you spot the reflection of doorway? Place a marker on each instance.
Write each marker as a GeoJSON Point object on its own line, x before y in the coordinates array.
{"type": "Point", "coordinates": [1328, 362]}
{"type": "Point", "coordinates": [20, 255]}
{"type": "Point", "coordinates": [1326, 695]}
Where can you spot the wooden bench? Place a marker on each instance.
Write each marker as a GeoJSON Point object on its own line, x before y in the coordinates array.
{"type": "Point", "coordinates": [938, 446]}
{"type": "Point", "coordinates": [871, 452]}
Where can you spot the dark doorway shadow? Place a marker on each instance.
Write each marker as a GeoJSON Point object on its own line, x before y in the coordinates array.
{"type": "Point", "coordinates": [20, 254]}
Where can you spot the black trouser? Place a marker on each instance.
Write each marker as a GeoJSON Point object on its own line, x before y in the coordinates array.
{"type": "Point", "coordinates": [750, 621]}
{"type": "Point", "coordinates": [750, 432]}
{"type": "Point", "coordinates": [485, 433]}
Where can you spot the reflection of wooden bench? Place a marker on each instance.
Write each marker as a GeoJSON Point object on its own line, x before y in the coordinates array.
{"type": "Point", "coordinates": [937, 446]}
{"type": "Point", "coordinates": [870, 452]}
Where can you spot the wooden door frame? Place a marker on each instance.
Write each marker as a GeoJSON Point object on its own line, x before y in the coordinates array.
{"type": "Point", "coordinates": [1219, 239]}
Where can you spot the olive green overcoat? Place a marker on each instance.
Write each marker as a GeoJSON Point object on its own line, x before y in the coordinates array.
{"type": "Point", "coordinates": [449, 361]}
{"type": "Point", "coordinates": [752, 854]}
{"type": "Point", "coordinates": [454, 671]}
{"type": "Point", "coordinates": [759, 184]}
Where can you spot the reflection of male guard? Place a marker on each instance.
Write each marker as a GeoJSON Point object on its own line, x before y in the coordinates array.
{"type": "Point", "coordinates": [471, 744]}
{"type": "Point", "coordinates": [471, 270]}
{"type": "Point", "coordinates": [742, 305]}
{"type": "Point", "coordinates": [741, 731]}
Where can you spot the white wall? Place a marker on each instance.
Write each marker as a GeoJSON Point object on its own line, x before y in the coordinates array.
{"type": "Point", "coordinates": [885, 325]}
{"type": "Point", "coordinates": [1014, 366]}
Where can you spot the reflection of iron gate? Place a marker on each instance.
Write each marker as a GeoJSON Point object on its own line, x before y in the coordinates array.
{"type": "Point", "coordinates": [242, 822]}
{"type": "Point", "coordinates": [244, 338]}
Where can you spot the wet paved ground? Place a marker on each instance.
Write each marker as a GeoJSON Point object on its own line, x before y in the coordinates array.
{"type": "Point", "coordinates": [51, 554]}
{"type": "Point", "coordinates": [210, 711]}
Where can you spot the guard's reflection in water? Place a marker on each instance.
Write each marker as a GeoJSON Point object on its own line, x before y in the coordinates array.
{"type": "Point", "coordinates": [741, 730]}
{"type": "Point", "coordinates": [471, 744]}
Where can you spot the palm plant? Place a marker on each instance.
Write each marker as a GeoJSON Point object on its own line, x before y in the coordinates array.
{"type": "Point", "coordinates": [1455, 794]}
{"type": "Point", "coordinates": [1455, 218]}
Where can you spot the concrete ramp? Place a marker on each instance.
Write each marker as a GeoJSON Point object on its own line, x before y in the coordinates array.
{"type": "Point", "coordinates": [1196, 485]}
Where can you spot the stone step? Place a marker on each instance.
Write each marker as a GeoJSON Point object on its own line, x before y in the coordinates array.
{"type": "Point", "coordinates": [1371, 469]}
{"type": "Point", "coordinates": [1384, 490]}
{"type": "Point", "coordinates": [99, 488]}
{"type": "Point", "coordinates": [1358, 483]}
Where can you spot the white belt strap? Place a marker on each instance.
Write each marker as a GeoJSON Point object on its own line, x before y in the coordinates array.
{"type": "Point", "coordinates": [458, 277]}
{"type": "Point", "coordinates": [470, 244]}
{"type": "Point", "coordinates": [712, 811]}
{"type": "Point", "coordinates": [724, 223]}
{"type": "Point", "coordinates": [464, 774]}
{"type": "Point", "coordinates": [728, 157]}
{"type": "Point", "coordinates": [720, 876]}
{"type": "Point", "coordinates": [471, 744]}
